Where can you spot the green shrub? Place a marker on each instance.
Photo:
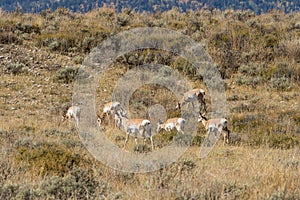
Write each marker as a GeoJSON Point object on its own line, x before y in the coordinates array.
{"type": "Point", "coordinates": [236, 191]}
{"type": "Point", "coordinates": [183, 139]}
{"type": "Point", "coordinates": [79, 183]}
{"type": "Point", "coordinates": [248, 81]}
{"type": "Point", "coordinates": [142, 148]}
{"type": "Point", "coordinates": [56, 132]}
{"type": "Point", "coordinates": [26, 28]}
{"type": "Point", "coordinates": [124, 177]}
{"type": "Point", "coordinates": [15, 68]}
{"type": "Point", "coordinates": [271, 41]}
{"type": "Point", "coordinates": [28, 143]}
{"type": "Point", "coordinates": [72, 143]}
{"type": "Point", "coordinates": [47, 158]}
{"type": "Point", "coordinates": [9, 38]}
{"type": "Point", "coordinates": [222, 39]}
{"type": "Point", "coordinates": [198, 139]}
{"type": "Point", "coordinates": [281, 83]}
{"type": "Point", "coordinates": [65, 75]}
{"type": "Point", "coordinates": [164, 138]}
{"type": "Point", "coordinates": [61, 41]}
{"type": "Point", "coordinates": [187, 164]}
{"type": "Point", "coordinates": [8, 191]}
{"type": "Point", "coordinates": [283, 141]}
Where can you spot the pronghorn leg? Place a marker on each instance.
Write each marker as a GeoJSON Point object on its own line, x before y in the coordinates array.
{"type": "Point", "coordinates": [182, 129]}
{"type": "Point", "coordinates": [136, 143]}
{"type": "Point", "coordinates": [227, 135]}
{"type": "Point", "coordinates": [151, 140]}
{"type": "Point", "coordinates": [143, 135]}
{"type": "Point", "coordinates": [69, 124]}
{"type": "Point", "coordinates": [77, 121]}
{"type": "Point", "coordinates": [210, 136]}
{"type": "Point", "coordinates": [109, 116]}
{"type": "Point", "coordinates": [220, 131]}
{"type": "Point", "coordinates": [126, 140]}
{"type": "Point", "coordinates": [178, 128]}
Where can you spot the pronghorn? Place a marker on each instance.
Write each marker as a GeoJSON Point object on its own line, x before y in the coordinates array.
{"type": "Point", "coordinates": [220, 124]}
{"type": "Point", "coordinates": [191, 96]}
{"type": "Point", "coordinates": [172, 123]}
{"type": "Point", "coordinates": [72, 112]}
{"type": "Point", "coordinates": [108, 110]}
{"type": "Point", "coordinates": [135, 127]}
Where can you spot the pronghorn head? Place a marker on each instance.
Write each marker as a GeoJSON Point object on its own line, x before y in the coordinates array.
{"type": "Point", "coordinates": [145, 122]}
{"type": "Point", "coordinates": [64, 117]}
{"type": "Point", "coordinates": [202, 92]}
{"type": "Point", "coordinates": [159, 125]}
{"type": "Point", "coordinates": [99, 120]}
{"type": "Point", "coordinates": [123, 113]}
{"type": "Point", "coordinates": [101, 117]}
{"type": "Point", "coordinates": [227, 138]}
{"type": "Point", "coordinates": [178, 106]}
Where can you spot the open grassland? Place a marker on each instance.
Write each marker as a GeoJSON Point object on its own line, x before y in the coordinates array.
{"type": "Point", "coordinates": [44, 158]}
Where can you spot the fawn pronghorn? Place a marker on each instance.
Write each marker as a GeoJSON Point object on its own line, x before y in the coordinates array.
{"type": "Point", "coordinates": [191, 96]}
{"type": "Point", "coordinates": [108, 110]}
{"type": "Point", "coordinates": [135, 127]}
{"type": "Point", "coordinates": [219, 124]}
{"type": "Point", "coordinates": [72, 112]}
{"type": "Point", "coordinates": [172, 123]}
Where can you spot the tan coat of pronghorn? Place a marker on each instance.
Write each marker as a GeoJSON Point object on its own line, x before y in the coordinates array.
{"type": "Point", "coordinates": [220, 124]}
{"type": "Point", "coordinates": [172, 123]}
{"type": "Point", "coordinates": [72, 112]}
{"type": "Point", "coordinates": [191, 96]}
{"type": "Point", "coordinates": [108, 111]}
{"type": "Point", "coordinates": [136, 127]}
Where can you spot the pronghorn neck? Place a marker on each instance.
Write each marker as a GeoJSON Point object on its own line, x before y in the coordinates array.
{"type": "Point", "coordinates": [182, 102]}
{"type": "Point", "coordinates": [163, 125]}
{"type": "Point", "coordinates": [124, 120]}
{"type": "Point", "coordinates": [204, 121]}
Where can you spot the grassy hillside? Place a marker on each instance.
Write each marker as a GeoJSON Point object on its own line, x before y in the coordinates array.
{"type": "Point", "coordinates": [44, 158]}
{"type": "Point", "coordinates": [256, 6]}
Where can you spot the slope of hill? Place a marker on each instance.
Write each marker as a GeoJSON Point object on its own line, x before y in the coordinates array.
{"type": "Point", "coordinates": [45, 158]}
{"type": "Point", "coordinates": [256, 6]}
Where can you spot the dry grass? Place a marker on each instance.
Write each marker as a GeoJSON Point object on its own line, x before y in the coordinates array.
{"type": "Point", "coordinates": [43, 158]}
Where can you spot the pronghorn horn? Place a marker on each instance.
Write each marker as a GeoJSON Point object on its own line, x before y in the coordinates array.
{"type": "Point", "coordinates": [201, 114]}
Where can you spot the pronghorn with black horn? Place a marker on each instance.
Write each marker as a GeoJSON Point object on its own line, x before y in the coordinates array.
{"type": "Point", "coordinates": [134, 127]}
{"type": "Point", "coordinates": [220, 124]}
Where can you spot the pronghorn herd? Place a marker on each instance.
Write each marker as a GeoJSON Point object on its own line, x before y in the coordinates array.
{"type": "Point", "coordinates": [142, 127]}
